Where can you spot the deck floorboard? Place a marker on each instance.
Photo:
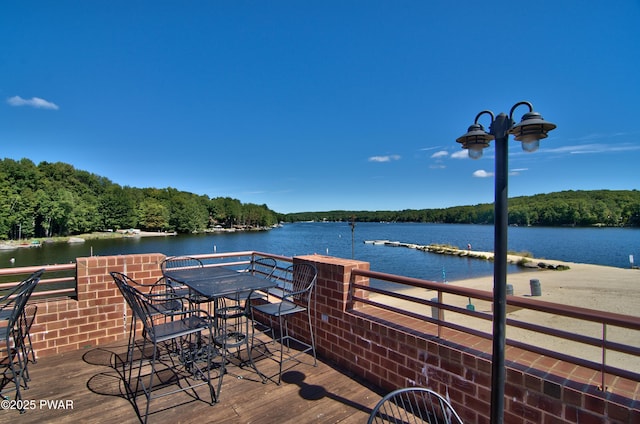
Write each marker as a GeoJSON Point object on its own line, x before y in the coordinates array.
{"type": "Point", "coordinates": [93, 381]}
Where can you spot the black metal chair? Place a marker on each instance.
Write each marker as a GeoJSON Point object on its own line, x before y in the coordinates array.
{"type": "Point", "coordinates": [414, 405]}
{"type": "Point", "coordinates": [233, 314]}
{"type": "Point", "coordinates": [17, 341]}
{"type": "Point", "coordinates": [183, 350]}
{"type": "Point", "coordinates": [262, 267]}
{"type": "Point", "coordinates": [164, 298]}
{"type": "Point", "coordinates": [294, 294]}
{"type": "Point", "coordinates": [182, 262]}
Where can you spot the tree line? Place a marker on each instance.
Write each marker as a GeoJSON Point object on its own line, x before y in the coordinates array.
{"type": "Point", "coordinates": [55, 199]}
{"type": "Point", "coordinates": [611, 208]}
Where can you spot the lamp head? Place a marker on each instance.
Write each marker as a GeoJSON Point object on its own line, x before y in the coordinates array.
{"type": "Point", "coordinates": [475, 140]}
{"type": "Point", "coordinates": [531, 129]}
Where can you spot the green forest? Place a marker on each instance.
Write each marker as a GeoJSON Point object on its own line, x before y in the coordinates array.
{"type": "Point", "coordinates": [55, 199]}
{"type": "Point", "coordinates": [567, 208]}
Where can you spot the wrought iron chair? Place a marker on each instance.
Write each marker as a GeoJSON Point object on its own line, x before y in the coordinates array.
{"type": "Point", "coordinates": [294, 293]}
{"type": "Point", "coordinates": [25, 322]}
{"type": "Point", "coordinates": [262, 267]}
{"type": "Point", "coordinates": [175, 262]}
{"type": "Point", "coordinates": [163, 297]}
{"type": "Point", "coordinates": [182, 348]}
{"type": "Point", "coordinates": [414, 405]}
{"type": "Point", "coordinates": [233, 313]}
{"type": "Point", "coordinates": [17, 342]}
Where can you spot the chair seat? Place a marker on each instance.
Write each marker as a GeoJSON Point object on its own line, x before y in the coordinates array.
{"type": "Point", "coordinates": [179, 328]}
{"type": "Point", "coordinates": [231, 312]}
{"type": "Point", "coordinates": [231, 339]}
{"type": "Point", "coordinates": [167, 307]}
{"type": "Point", "coordinates": [279, 308]}
{"type": "Point", "coordinates": [188, 294]}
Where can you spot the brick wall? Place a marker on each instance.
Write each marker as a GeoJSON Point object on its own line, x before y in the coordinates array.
{"type": "Point", "coordinates": [393, 355]}
{"type": "Point", "coordinates": [99, 314]}
{"type": "Point", "coordinates": [388, 355]}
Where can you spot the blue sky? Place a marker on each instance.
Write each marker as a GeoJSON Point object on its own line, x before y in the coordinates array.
{"type": "Point", "coordinates": [315, 106]}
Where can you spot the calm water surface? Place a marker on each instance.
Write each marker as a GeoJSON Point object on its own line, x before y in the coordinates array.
{"type": "Point", "coordinates": [602, 246]}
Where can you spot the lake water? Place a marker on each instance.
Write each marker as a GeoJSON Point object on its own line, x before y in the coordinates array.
{"type": "Point", "coordinates": [602, 246]}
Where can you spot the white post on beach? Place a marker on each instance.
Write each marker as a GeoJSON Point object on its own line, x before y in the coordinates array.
{"type": "Point", "coordinates": [631, 260]}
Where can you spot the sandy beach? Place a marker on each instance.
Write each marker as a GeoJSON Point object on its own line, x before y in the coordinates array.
{"type": "Point", "coordinates": [588, 286]}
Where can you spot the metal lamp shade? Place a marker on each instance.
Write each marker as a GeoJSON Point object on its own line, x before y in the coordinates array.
{"type": "Point", "coordinates": [531, 129]}
{"type": "Point", "coordinates": [475, 140]}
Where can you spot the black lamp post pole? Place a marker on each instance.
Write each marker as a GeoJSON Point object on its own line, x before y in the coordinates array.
{"type": "Point", "coordinates": [499, 129]}
{"type": "Point", "coordinates": [529, 131]}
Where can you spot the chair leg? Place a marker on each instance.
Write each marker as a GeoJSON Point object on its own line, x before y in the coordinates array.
{"type": "Point", "coordinates": [284, 335]}
{"type": "Point", "coordinates": [313, 339]}
{"type": "Point", "coordinates": [13, 354]}
{"type": "Point", "coordinates": [29, 322]}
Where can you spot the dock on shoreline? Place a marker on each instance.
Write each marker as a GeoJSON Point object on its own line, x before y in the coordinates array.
{"type": "Point", "coordinates": [516, 259]}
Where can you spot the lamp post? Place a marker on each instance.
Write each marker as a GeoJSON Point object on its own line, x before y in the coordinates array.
{"type": "Point", "coordinates": [352, 224]}
{"type": "Point", "coordinates": [531, 129]}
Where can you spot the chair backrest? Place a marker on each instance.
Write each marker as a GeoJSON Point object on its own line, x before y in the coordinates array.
{"type": "Point", "coordinates": [298, 282]}
{"type": "Point", "coordinates": [19, 297]}
{"type": "Point", "coordinates": [174, 262]}
{"type": "Point", "coordinates": [122, 280]}
{"type": "Point", "coordinates": [137, 301]}
{"type": "Point", "coordinates": [414, 405]}
{"type": "Point", "coordinates": [262, 267]}
{"type": "Point", "coordinates": [25, 321]}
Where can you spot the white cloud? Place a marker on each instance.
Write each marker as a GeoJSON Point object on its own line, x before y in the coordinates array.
{"type": "Point", "coordinates": [440, 154]}
{"type": "Point", "coordinates": [481, 173]}
{"type": "Point", "coordinates": [460, 154]}
{"type": "Point", "coordinates": [387, 158]}
{"type": "Point", "coordinates": [36, 102]}
{"type": "Point", "coordinates": [519, 170]}
{"type": "Point", "coordinates": [581, 149]}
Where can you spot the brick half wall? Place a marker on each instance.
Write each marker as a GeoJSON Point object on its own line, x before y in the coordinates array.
{"type": "Point", "coordinates": [386, 353]}
{"type": "Point", "coordinates": [99, 314]}
{"type": "Point", "coordinates": [404, 352]}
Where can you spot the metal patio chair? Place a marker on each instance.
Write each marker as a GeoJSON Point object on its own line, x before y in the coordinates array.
{"type": "Point", "coordinates": [161, 294]}
{"type": "Point", "coordinates": [17, 342]}
{"type": "Point", "coordinates": [261, 267]}
{"type": "Point", "coordinates": [294, 293]}
{"type": "Point", "coordinates": [182, 349]}
{"type": "Point", "coordinates": [233, 313]}
{"type": "Point", "coordinates": [413, 405]}
{"type": "Point", "coordinates": [182, 262]}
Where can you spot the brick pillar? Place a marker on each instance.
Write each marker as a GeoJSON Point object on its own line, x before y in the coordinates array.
{"type": "Point", "coordinates": [332, 300]}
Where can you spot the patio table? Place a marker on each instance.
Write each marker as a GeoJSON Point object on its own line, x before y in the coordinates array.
{"type": "Point", "coordinates": [215, 282]}
{"type": "Point", "coordinates": [219, 282]}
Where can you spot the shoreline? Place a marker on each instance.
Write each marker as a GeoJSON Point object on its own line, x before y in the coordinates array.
{"type": "Point", "coordinates": [129, 233]}
{"type": "Point", "coordinates": [38, 241]}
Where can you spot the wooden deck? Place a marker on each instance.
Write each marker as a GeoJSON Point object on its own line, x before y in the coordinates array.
{"type": "Point", "coordinates": [92, 381]}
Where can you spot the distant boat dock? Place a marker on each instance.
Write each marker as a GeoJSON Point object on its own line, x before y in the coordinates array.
{"type": "Point", "coordinates": [519, 260]}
